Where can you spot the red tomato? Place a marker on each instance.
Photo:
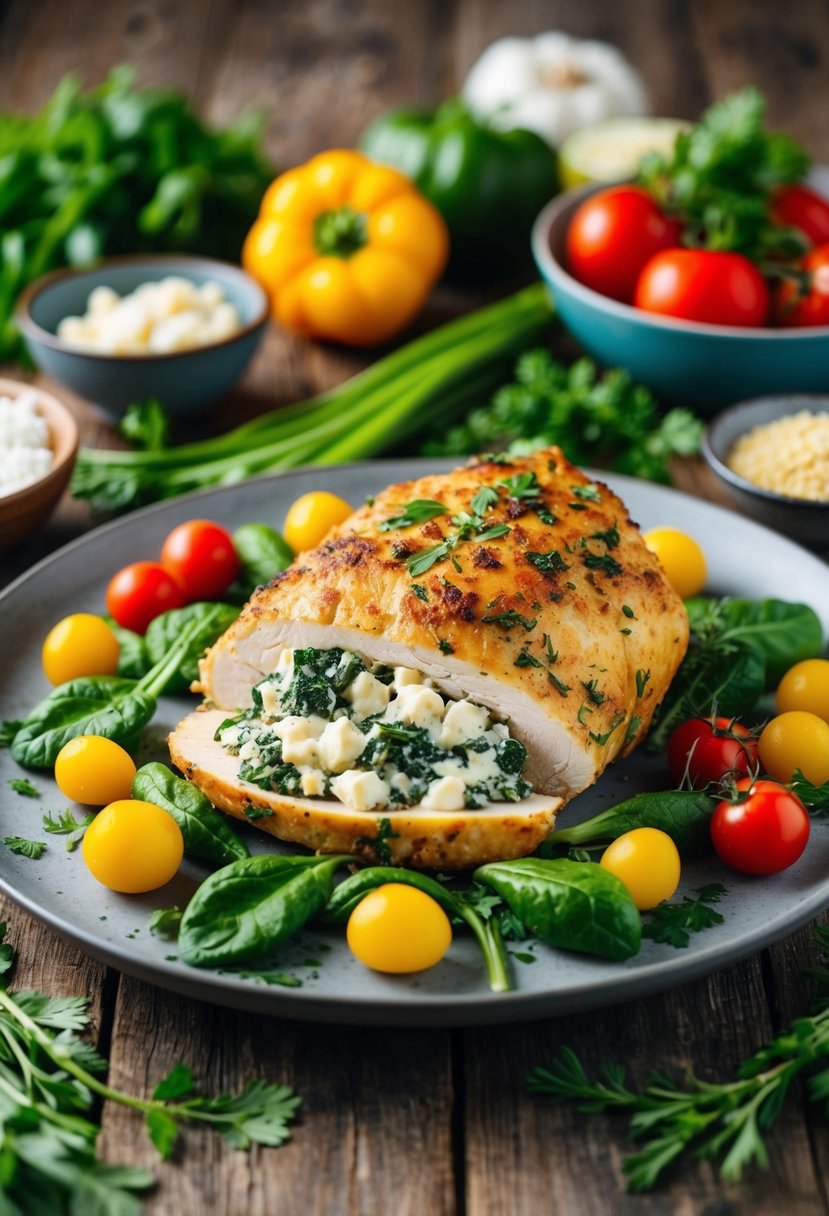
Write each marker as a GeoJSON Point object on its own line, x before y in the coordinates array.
{"type": "Point", "coordinates": [702, 285]}
{"type": "Point", "coordinates": [202, 557]}
{"type": "Point", "coordinates": [804, 209]}
{"type": "Point", "coordinates": [764, 833]}
{"type": "Point", "coordinates": [140, 592]}
{"type": "Point", "coordinates": [796, 308]}
{"type": "Point", "coordinates": [611, 237]}
{"type": "Point", "coordinates": [710, 750]}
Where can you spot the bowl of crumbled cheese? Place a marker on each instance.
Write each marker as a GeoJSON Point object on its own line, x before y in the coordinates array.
{"type": "Point", "coordinates": [38, 444]}
{"type": "Point", "coordinates": [179, 328]}
{"type": "Point", "coordinates": [772, 457]}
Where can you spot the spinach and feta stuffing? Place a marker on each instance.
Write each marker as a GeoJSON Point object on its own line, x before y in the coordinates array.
{"type": "Point", "coordinates": [324, 725]}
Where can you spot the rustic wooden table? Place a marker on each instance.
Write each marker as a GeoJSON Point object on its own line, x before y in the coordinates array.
{"type": "Point", "coordinates": [396, 1122]}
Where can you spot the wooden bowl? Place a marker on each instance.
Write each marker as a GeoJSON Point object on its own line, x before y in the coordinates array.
{"type": "Point", "coordinates": [22, 512]}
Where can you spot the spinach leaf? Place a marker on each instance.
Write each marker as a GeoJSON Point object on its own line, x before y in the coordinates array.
{"type": "Point", "coordinates": [207, 623]}
{"type": "Point", "coordinates": [683, 814]}
{"type": "Point", "coordinates": [784, 632]}
{"type": "Point", "coordinates": [91, 705]}
{"type": "Point", "coordinates": [486, 928]}
{"type": "Point", "coordinates": [262, 553]}
{"type": "Point", "coordinates": [133, 660]}
{"type": "Point", "coordinates": [244, 910]}
{"type": "Point", "coordinates": [207, 834]}
{"type": "Point", "coordinates": [574, 905]}
{"type": "Point", "coordinates": [726, 675]}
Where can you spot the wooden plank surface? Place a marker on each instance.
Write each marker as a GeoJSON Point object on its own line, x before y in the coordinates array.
{"type": "Point", "coordinates": [405, 1122]}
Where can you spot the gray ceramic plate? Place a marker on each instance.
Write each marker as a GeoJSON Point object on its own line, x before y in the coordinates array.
{"type": "Point", "coordinates": [744, 559]}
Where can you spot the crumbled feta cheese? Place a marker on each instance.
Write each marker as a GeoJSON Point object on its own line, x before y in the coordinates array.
{"type": "Point", "coordinates": [339, 745]}
{"type": "Point", "coordinates": [406, 675]}
{"type": "Point", "coordinates": [463, 721]}
{"type": "Point", "coordinates": [368, 696]}
{"type": "Point", "coordinates": [312, 783]}
{"type": "Point", "coordinates": [25, 454]}
{"type": "Point", "coordinates": [360, 790]}
{"type": "Point", "coordinates": [447, 794]}
{"type": "Point", "coordinates": [299, 745]}
{"type": "Point", "coordinates": [157, 318]}
{"type": "Point", "coordinates": [270, 699]}
{"type": "Point", "coordinates": [418, 705]}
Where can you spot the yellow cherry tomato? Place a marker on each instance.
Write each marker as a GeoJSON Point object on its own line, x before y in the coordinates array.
{"type": "Point", "coordinates": [79, 645]}
{"type": "Point", "coordinates": [94, 770]}
{"type": "Point", "coordinates": [311, 518]}
{"type": "Point", "coordinates": [680, 557]}
{"type": "Point", "coordinates": [647, 862]}
{"type": "Point", "coordinates": [346, 249]}
{"type": "Point", "coordinates": [796, 740]}
{"type": "Point", "coordinates": [133, 846]}
{"type": "Point", "coordinates": [805, 686]}
{"type": "Point", "coordinates": [398, 929]}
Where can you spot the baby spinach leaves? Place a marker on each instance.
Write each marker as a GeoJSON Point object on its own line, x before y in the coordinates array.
{"type": "Point", "coordinates": [207, 834]}
{"type": "Point", "coordinates": [206, 621]}
{"type": "Point", "coordinates": [262, 553]}
{"type": "Point", "coordinates": [570, 904]}
{"type": "Point", "coordinates": [683, 814]}
{"type": "Point", "coordinates": [92, 705]}
{"type": "Point", "coordinates": [242, 912]}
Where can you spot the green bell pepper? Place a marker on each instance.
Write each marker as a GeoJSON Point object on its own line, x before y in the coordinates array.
{"type": "Point", "coordinates": [489, 185]}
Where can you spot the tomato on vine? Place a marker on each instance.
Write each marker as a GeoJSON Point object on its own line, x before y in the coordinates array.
{"type": "Point", "coordinates": [763, 831]}
{"type": "Point", "coordinates": [709, 750]}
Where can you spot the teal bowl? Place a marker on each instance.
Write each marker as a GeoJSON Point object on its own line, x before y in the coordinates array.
{"type": "Point", "coordinates": [683, 362]}
{"type": "Point", "coordinates": [186, 382]}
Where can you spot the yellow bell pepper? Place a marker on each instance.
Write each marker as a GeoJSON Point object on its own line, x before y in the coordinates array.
{"type": "Point", "coordinates": [347, 250]}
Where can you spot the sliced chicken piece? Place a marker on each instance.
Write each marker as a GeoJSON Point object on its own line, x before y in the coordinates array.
{"type": "Point", "coordinates": [561, 621]}
{"type": "Point", "coordinates": [414, 835]}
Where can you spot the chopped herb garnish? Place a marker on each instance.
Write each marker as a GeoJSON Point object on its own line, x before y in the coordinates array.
{"type": "Point", "coordinates": [610, 537]}
{"type": "Point", "coordinates": [594, 695]}
{"type": "Point", "coordinates": [626, 631]}
{"type": "Point", "coordinates": [642, 678]}
{"type": "Point", "coordinates": [614, 726]}
{"type": "Point", "coordinates": [420, 511]}
{"type": "Point", "coordinates": [558, 684]}
{"type": "Point", "coordinates": [633, 726]}
{"type": "Point", "coordinates": [370, 501]}
{"type": "Point", "coordinates": [674, 923]}
{"type": "Point", "coordinates": [445, 647]}
{"type": "Point", "coordinates": [420, 562]}
{"type": "Point", "coordinates": [420, 591]}
{"type": "Point", "coordinates": [571, 586]}
{"type": "Point", "coordinates": [525, 659]}
{"type": "Point", "coordinates": [256, 812]}
{"type": "Point", "coordinates": [548, 563]}
{"type": "Point", "coordinates": [486, 497]}
{"type": "Point", "coordinates": [521, 485]}
{"type": "Point", "coordinates": [67, 825]}
{"type": "Point", "coordinates": [589, 493]}
{"type": "Point", "coordinates": [380, 842]}
{"type": "Point", "coordinates": [604, 562]}
{"type": "Point", "coordinates": [25, 848]}
{"type": "Point", "coordinates": [584, 708]}
{"type": "Point", "coordinates": [628, 612]}
{"type": "Point", "coordinates": [510, 619]}
{"type": "Point", "coordinates": [577, 506]}
{"type": "Point", "coordinates": [494, 532]}
{"type": "Point", "coordinates": [552, 653]}
{"type": "Point", "coordinates": [24, 787]}
{"type": "Point", "coordinates": [547, 518]}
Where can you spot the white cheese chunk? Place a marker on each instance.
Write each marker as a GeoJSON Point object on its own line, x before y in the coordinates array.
{"type": "Point", "coordinates": [312, 783]}
{"type": "Point", "coordinates": [447, 794]}
{"type": "Point", "coordinates": [299, 745]}
{"type": "Point", "coordinates": [418, 705]}
{"type": "Point", "coordinates": [463, 721]}
{"type": "Point", "coordinates": [270, 699]}
{"type": "Point", "coordinates": [406, 675]}
{"type": "Point", "coordinates": [339, 745]}
{"type": "Point", "coordinates": [360, 791]}
{"type": "Point", "coordinates": [368, 696]}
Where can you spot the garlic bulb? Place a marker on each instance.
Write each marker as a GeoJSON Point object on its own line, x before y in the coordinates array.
{"type": "Point", "coordinates": [553, 85]}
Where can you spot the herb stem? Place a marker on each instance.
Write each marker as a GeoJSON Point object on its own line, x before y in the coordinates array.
{"type": "Point", "coordinates": [488, 934]}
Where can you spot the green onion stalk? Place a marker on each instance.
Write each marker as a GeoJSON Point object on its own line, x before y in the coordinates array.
{"type": "Point", "coordinates": [430, 381]}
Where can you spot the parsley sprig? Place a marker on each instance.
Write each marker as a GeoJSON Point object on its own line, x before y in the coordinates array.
{"type": "Point", "coordinates": [49, 1082]}
{"type": "Point", "coordinates": [725, 1121]}
{"type": "Point", "coordinates": [673, 923]}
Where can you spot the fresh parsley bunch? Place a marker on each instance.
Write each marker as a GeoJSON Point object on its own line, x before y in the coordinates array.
{"type": "Point", "coordinates": [720, 177]}
{"type": "Point", "coordinates": [50, 1079]}
{"type": "Point", "coordinates": [597, 419]}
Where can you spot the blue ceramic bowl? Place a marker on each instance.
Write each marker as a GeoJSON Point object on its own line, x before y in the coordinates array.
{"type": "Point", "coordinates": [683, 362]}
{"type": "Point", "coordinates": [185, 381]}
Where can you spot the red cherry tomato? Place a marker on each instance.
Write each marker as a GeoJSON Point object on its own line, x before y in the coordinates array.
{"type": "Point", "coordinates": [701, 285]}
{"type": "Point", "coordinates": [764, 833]}
{"type": "Point", "coordinates": [710, 750]}
{"type": "Point", "coordinates": [202, 557]}
{"type": "Point", "coordinates": [802, 208]}
{"type": "Point", "coordinates": [611, 237]}
{"type": "Point", "coordinates": [140, 592]}
{"type": "Point", "coordinates": [798, 307]}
